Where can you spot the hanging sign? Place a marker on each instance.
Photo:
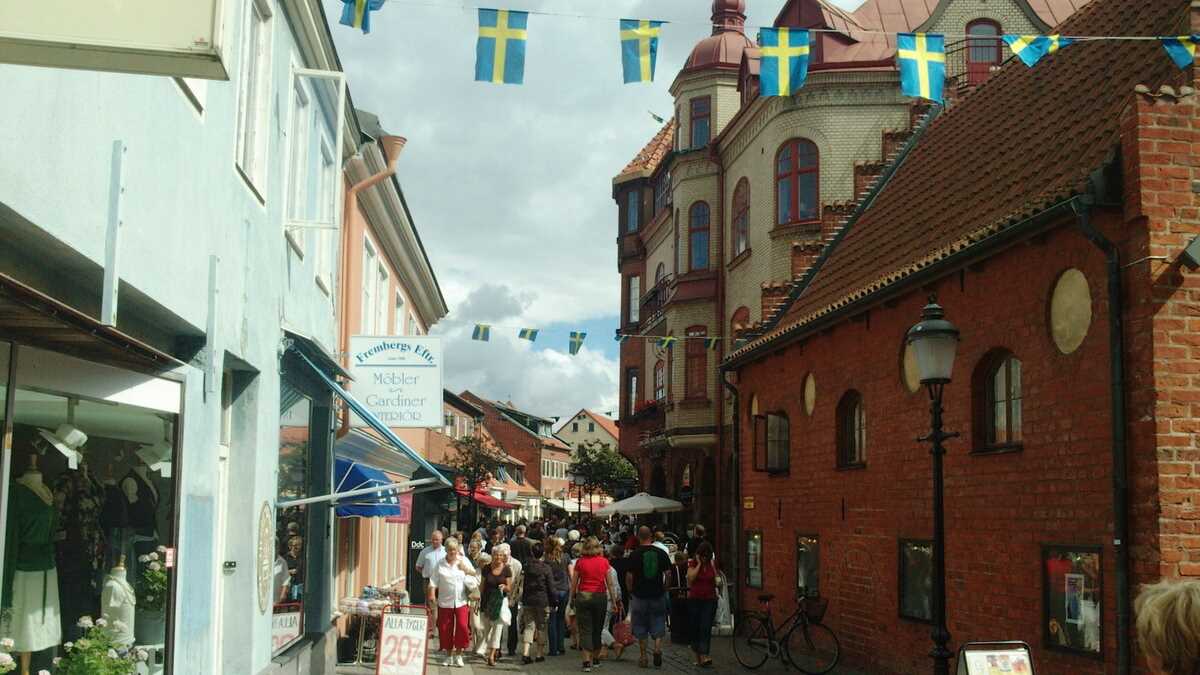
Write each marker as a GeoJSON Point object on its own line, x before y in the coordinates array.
{"type": "Point", "coordinates": [403, 643]}
{"type": "Point", "coordinates": [398, 379]}
{"type": "Point", "coordinates": [404, 503]}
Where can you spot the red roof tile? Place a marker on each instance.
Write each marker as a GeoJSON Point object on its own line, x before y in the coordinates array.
{"type": "Point", "coordinates": [652, 155]}
{"type": "Point", "coordinates": [1034, 134]}
{"type": "Point", "coordinates": [605, 423]}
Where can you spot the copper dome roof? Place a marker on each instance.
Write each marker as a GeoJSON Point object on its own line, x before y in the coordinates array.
{"type": "Point", "coordinates": [725, 46]}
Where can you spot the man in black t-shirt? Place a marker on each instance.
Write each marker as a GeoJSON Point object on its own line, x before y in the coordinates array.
{"type": "Point", "coordinates": [645, 574]}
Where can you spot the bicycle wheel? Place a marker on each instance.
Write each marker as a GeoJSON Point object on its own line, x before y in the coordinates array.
{"type": "Point", "coordinates": [812, 647]}
{"type": "Point", "coordinates": [751, 641]}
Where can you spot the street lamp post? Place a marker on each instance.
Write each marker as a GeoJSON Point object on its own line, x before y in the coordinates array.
{"type": "Point", "coordinates": [934, 342]}
{"type": "Point", "coordinates": [574, 478]}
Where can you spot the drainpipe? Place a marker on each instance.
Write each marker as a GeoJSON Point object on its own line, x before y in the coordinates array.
{"type": "Point", "coordinates": [391, 147]}
{"type": "Point", "coordinates": [736, 479]}
{"type": "Point", "coordinates": [719, 325]}
{"type": "Point", "coordinates": [1120, 483]}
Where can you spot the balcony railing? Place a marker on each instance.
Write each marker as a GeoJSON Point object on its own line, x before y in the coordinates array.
{"type": "Point", "coordinates": [656, 299]}
{"type": "Point", "coordinates": [972, 61]}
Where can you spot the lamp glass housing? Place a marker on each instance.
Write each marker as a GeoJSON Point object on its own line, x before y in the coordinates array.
{"type": "Point", "coordinates": [935, 356]}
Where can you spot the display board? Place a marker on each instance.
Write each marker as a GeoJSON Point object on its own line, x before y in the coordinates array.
{"type": "Point", "coordinates": [403, 643]}
{"type": "Point", "coordinates": [180, 38]}
{"type": "Point", "coordinates": [398, 379]}
{"type": "Point", "coordinates": [995, 658]}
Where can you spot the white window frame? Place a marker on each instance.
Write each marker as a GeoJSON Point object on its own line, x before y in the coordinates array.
{"type": "Point", "coordinates": [252, 146]}
{"type": "Point", "coordinates": [369, 281]}
{"type": "Point", "coordinates": [296, 184]}
{"type": "Point", "coordinates": [383, 278]}
{"type": "Point", "coordinates": [398, 323]}
{"type": "Point", "coordinates": [414, 328]}
{"type": "Point", "coordinates": [635, 298]}
{"type": "Point", "coordinates": [324, 219]}
{"type": "Point", "coordinates": [324, 240]}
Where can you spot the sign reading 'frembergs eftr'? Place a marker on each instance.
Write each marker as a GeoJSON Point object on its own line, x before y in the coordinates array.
{"type": "Point", "coordinates": [399, 379]}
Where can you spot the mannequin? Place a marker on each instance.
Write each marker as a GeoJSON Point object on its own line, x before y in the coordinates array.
{"type": "Point", "coordinates": [141, 498]}
{"type": "Point", "coordinates": [30, 577]}
{"type": "Point", "coordinates": [117, 603]}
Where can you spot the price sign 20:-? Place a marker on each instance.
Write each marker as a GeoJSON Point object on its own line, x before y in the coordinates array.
{"type": "Point", "coordinates": [403, 644]}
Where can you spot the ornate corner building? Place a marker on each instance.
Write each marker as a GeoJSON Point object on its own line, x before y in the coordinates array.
{"type": "Point", "coordinates": [735, 198]}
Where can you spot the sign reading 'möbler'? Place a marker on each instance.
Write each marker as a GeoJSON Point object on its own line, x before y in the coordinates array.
{"type": "Point", "coordinates": [398, 379]}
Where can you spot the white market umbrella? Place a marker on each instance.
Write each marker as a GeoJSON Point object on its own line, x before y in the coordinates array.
{"type": "Point", "coordinates": [639, 504]}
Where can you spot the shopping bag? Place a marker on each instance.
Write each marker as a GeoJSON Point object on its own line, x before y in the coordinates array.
{"type": "Point", "coordinates": [506, 614]}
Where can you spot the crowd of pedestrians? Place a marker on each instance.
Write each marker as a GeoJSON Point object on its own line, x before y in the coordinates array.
{"type": "Point", "coordinates": [600, 586]}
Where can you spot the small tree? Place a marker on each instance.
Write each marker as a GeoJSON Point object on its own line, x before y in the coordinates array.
{"type": "Point", "coordinates": [599, 468]}
{"type": "Point", "coordinates": [476, 462]}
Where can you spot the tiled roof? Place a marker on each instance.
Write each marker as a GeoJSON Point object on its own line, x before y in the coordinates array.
{"type": "Point", "coordinates": [605, 423]}
{"type": "Point", "coordinates": [652, 155]}
{"type": "Point", "coordinates": [1034, 135]}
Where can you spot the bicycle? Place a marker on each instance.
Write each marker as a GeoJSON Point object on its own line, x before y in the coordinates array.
{"type": "Point", "coordinates": [806, 643]}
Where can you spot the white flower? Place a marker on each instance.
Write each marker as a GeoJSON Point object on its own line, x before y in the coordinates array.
{"type": "Point", "coordinates": [6, 660]}
{"type": "Point", "coordinates": [85, 621]}
{"type": "Point", "coordinates": [6, 644]}
{"type": "Point", "coordinates": [112, 654]}
{"type": "Point", "coordinates": [68, 645]}
{"type": "Point", "coordinates": [102, 622]}
{"type": "Point", "coordinates": [162, 549]}
{"type": "Point", "coordinates": [120, 626]}
{"type": "Point", "coordinates": [154, 567]}
{"type": "Point", "coordinates": [43, 671]}
{"type": "Point", "coordinates": [143, 558]}
{"type": "Point", "coordinates": [141, 654]}
{"type": "Point", "coordinates": [83, 643]}
{"type": "Point", "coordinates": [149, 598]}
{"type": "Point", "coordinates": [55, 661]}
{"type": "Point", "coordinates": [152, 555]}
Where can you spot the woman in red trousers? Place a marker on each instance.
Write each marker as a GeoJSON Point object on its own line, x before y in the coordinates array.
{"type": "Point", "coordinates": [449, 585]}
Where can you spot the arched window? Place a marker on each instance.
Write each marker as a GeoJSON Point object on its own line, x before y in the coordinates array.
{"type": "Point", "coordinates": [659, 273]}
{"type": "Point", "coordinates": [741, 217]}
{"type": "Point", "coordinates": [983, 49]}
{"type": "Point", "coordinates": [698, 237]}
{"type": "Point", "coordinates": [851, 430]}
{"type": "Point", "coordinates": [997, 392]}
{"type": "Point", "coordinates": [779, 435]}
{"type": "Point", "coordinates": [660, 381]}
{"type": "Point", "coordinates": [739, 320]}
{"type": "Point", "coordinates": [796, 168]}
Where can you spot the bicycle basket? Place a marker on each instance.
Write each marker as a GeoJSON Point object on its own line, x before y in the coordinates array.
{"type": "Point", "coordinates": [815, 608]}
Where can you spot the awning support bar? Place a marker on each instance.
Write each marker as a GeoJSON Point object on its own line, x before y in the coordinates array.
{"type": "Point", "coordinates": [333, 498]}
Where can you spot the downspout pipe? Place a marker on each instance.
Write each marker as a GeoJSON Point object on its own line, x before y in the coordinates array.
{"type": "Point", "coordinates": [391, 146]}
{"type": "Point", "coordinates": [1120, 480]}
{"type": "Point", "coordinates": [720, 329]}
{"type": "Point", "coordinates": [736, 480]}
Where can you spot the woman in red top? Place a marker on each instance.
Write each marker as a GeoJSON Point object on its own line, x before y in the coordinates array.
{"type": "Point", "coordinates": [590, 592]}
{"type": "Point", "coordinates": [702, 601]}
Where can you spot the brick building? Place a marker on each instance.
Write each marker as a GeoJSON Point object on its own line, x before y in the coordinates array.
{"type": "Point", "coordinates": [773, 212]}
{"type": "Point", "coordinates": [1056, 246]}
{"type": "Point", "coordinates": [530, 439]}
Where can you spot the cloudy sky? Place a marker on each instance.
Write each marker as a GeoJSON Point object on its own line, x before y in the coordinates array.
{"type": "Point", "coordinates": [510, 186]}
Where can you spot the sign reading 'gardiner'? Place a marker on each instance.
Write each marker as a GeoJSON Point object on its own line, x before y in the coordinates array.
{"type": "Point", "coordinates": [398, 379]}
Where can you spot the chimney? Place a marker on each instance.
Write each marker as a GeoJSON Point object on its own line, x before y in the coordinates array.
{"type": "Point", "coordinates": [865, 175]}
{"type": "Point", "coordinates": [804, 255]}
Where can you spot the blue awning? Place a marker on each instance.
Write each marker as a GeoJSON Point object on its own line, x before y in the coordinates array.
{"type": "Point", "coordinates": [374, 422]}
{"type": "Point", "coordinates": [350, 475]}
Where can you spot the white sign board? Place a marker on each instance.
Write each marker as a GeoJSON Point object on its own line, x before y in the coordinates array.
{"type": "Point", "coordinates": [285, 627]}
{"type": "Point", "coordinates": [398, 379]}
{"type": "Point", "coordinates": [180, 38]}
{"type": "Point", "coordinates": [403, 644]}
{"type": "Point", "coordinates": [999, 658]}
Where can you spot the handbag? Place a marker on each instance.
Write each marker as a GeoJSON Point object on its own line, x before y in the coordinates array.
{"type": "Point", "coordinates": [623, 633]}
{"type": "Point", "coordinates": [470, 582]}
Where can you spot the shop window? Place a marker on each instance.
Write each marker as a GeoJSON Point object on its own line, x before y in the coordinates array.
{"type": "Point", "coordinates": [851, 431]}
{"type": "Point", "coordinates": [996, 388]}
{"type": "Point", "coordinates": [701, 121]}
{"type": "Point", "coordinates": [754, 559]}
{"type": "Point", "coordinates": [698, 237]}
{"type": "Point", "coordinates": [741, 217]}
{"type": "Point", "coordinates": [778, 443]}
{"type": "Point", "coordinates": [1072, 588]}
{"type": "Point", "coordinates": [91, 505]}
{"type": "Point", "coordinates": [808, 565]}
{"type": "Point", "coordinates": [695, 365]}
{"type": "Point", "coordinates": [291, 522]}
{"type": "Point", "coordinates": [916, 579]}
{"type": "Point", "coordinates": [796, 182]}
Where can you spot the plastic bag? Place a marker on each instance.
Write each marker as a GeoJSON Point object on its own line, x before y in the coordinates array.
{"type": "Point", "coordinates": [505, 614]}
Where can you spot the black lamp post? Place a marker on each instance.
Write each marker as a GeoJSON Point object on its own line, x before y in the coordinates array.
{"type": "Point", "coordinates": [934, 341]}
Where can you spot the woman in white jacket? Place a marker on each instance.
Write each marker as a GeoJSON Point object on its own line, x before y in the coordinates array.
{"type": "Point", "coordinates": [448, 585]}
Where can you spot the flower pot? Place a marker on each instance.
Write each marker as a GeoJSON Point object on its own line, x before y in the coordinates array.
{"type": "Point", "coordinates": [150, 626]}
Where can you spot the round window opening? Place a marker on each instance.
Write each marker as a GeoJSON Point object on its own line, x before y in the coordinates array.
{"type": "Point", "coordinates": [810, 394]}
{"type": "Point", "coordinates": [1070, 310]}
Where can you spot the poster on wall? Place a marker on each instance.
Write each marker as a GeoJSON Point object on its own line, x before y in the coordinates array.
{"type": "Point", "coordinates": [1073, 589]}
{"type": "Point", "coordinates": [403, 643]}
{"type": "Point", "coordinates": [995, 658]}
{"type": "Point", "coordinates": [285, 626]}
{"type": "Point", "coordinates": [398, 379]}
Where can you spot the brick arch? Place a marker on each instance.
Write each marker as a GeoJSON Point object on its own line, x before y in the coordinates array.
{"type": "Point", "coordinates": [855, 586]}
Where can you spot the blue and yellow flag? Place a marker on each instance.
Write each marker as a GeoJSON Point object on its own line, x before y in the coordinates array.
{"type": "Point", "coordinates": [482, 332]}
{"type": "Point", "coordinates": [576, 342]}
{"type": "Point", "coordinates": [1031, 48]}
{"type": "Point", "coordinates": [922, 58]}
{"type": "Point", "coordinates": [711, 343]}
{"type": "Point", "coordinates": [622, 339]}
{"type": "Point", "coordinates": [639, 49]}
{"type": "Point", "coordinates": [500, 51]}
{"type": "Point", "coordinates": [357, 13]}
{"type": "Point", "coordinates": [784, 64]}
{"type": "Point", "coordinates": [666, 342]}
{"type": "Point", "coordinates": [1182, 49]}
{"type": "Point", "coordinates": [528, 334]}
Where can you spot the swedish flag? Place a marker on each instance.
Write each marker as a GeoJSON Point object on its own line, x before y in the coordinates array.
{"type": "Point", "coordinates": [1182, 49]}
{"type": "Point", "coordinates": [482, 332]}
{"type": "Point", "coordinates": [922, 58]}
{"type": "Point", "coordinates": [639, 49]}
{"type": "Point", "coordinates": [1031, 48]}
{"type": "Point", "coordinates": [500, 51]}
{"type": "Point", "coordinates": [528, 334]}
{"type": "Point", "coordinates": [711, 343]}
{"type": "Point", "coordinates": [784, 65]}
{"type": "Point", "coordinates": [357, 13]}
{"type": "Point", "coordinates": [666, 342]}
{"type": "Point", "coordinates": [576, 342]}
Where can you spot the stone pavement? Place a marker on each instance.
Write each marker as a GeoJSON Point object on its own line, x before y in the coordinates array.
{"type": "Point", "coordinates": [677, 659]}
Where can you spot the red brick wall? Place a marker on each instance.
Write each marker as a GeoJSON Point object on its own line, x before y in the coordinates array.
{"type": "Point", "coordinates": [515, 441]}
{"type": "Point", "coordinates": [1000, 508]}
